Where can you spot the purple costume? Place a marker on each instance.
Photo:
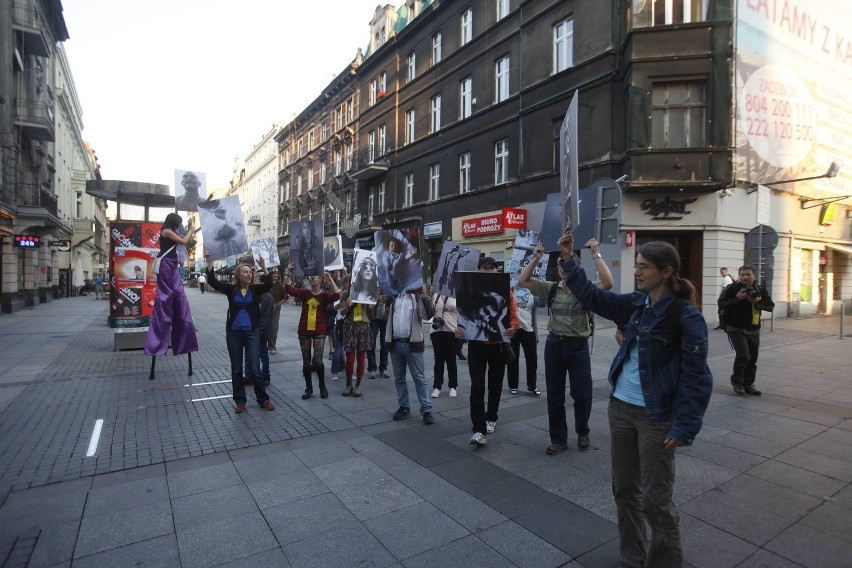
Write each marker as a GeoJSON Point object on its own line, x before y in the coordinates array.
{"type": "Point", "coordinates": [171, 319]}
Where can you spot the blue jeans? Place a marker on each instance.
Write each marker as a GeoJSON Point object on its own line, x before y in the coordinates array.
{"type": "Point", "coordinates": [338, 360]}
{"type": "Point", "coordinates": [569, 356]}
{"type": "Point", "coordinates": [264, 358]}
{"type": "Point", "coordinates": [643, 475]}
{"type": "Point", "coordinates": [377, 330]}
{"type": "Point", "coordinates": [401, 357]}
{"type": "Point", "coordinates": [240, 341]}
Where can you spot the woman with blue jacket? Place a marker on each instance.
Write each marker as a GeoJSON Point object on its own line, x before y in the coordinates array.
{"type": "Point", "coordinates": [661, 386]}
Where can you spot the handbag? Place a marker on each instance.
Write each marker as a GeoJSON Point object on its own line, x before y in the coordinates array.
{"type": "Point", "coordinates": [508, 353]}
{"type": "Point", "coordinates": [155, 269]}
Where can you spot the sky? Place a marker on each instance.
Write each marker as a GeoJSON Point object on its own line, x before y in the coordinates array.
{"type": "Point", "coordinates": [194, 84]}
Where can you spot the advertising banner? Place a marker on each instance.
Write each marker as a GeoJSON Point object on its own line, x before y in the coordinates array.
{"type": "Point", "coordinates": [133, 247]}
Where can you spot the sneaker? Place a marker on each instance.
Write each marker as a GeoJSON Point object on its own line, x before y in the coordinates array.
{"type": "Point", "coordinates": [751, 390]}
{"type": "Point", "coordinates": [436, 393]}
{"type": "Point", "coordinates": [428, 418]}
{"type": "Point", "coordinates": [240, 408]}
{"type": "Point", "coordinates": [384, 375]}
{"type": "Point", "coordinates": [738, 389]}
{"type": "Point", "coordinates": [401, 413]}
{"type": "Point", "coordinates": [334, 377]}
{"type": "Point", "coordinates": [371, 374]}
{"type": "Point", "coordinates": [453, 393]}
{"type": "Point", "coordinates": [554, 449]}
{"type": "Point", "coordinates": [489, 426]}
{"type": "Point", "coordinates": [463, 358]}
{"type": "Point", "coordinates": [273, 352]}
{"type": "Point", "coordinates": [513, 391]}
{"type": "Point", "coordinates": [583, 442]}
{"type": "Point", "coordinates": [478, 439]}
{"type": "Point", "coordinates": [267, 405]}
{"type": "Point", "coordinates": [534, 392]}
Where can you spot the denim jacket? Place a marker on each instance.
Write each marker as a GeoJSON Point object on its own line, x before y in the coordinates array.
{"type": "Point", "coordinates": [676, 381]}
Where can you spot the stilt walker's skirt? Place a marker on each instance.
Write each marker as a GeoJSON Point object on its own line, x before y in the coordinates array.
{"type": "Point", "coordinates": [171, 319]}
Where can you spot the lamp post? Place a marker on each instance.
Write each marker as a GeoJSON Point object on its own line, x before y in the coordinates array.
{"type": "Point", "coordinates": [833, 169]}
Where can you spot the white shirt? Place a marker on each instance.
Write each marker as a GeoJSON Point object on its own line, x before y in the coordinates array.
{"type": "Point", "coordinates": [726, 281]}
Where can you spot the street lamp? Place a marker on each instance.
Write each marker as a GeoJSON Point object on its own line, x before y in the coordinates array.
{"type": "Point", "coordinates": [833, 169]}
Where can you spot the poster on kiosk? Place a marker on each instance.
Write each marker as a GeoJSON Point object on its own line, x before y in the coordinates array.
{"type": "Point", "coordinates": [133, 247]}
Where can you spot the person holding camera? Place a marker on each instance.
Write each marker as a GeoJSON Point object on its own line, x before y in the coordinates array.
{"type": "Point", "coordinates": [741, 304]}
{"type": "Point", "coordinates": [444, 344]}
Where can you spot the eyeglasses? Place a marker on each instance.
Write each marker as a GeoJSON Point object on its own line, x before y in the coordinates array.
{"type": "Point", "coordinates": [642, 267]}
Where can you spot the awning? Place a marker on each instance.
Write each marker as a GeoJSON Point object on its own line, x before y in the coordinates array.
{"type": "Point", "coordinates": [842, 248]}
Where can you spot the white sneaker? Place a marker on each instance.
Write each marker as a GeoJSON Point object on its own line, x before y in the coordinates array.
{"type": "Point", "coordinates": [489, 426]}
{"type": "Point", "coordinates": [453, 393]}
{"type": "Point", "coordinates": [478, 439]}
{"type": "Point", "coordinates": [334, 377]}
{"type": "Point", "coordinates": [436, 393]}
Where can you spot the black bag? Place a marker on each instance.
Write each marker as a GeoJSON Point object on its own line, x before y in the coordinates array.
{"type": "Point", "coordinates": [508, 353]}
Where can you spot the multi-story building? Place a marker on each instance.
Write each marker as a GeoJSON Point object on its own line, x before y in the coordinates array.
{"type": "Point", "coordinates": [259, 190]}
{"type": "Point", "coordinates": [316, 152]}
{"type": "Point", "coordinates": [43, 160]}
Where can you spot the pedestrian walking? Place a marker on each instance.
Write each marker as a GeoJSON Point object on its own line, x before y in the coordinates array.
{"type": "Point", "coordinates": [242, 330]}
{"type": "Point", "coordinates": [444, 344]}
{"type": "Point", "coordinates": [202, 282]}
{"type": "Point", "coordinates": [356, 340]}
{"type": "Point", "coordinates": [661, 387]}
{"type": "Point", "coordinates": [566, 350]}
{"type": "Point", "coordinates": [741, 304]}
{"type": "Point", "coordinates": [526, 338]}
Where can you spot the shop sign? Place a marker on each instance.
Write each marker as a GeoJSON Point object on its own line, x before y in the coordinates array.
{"type": "Point", "coordinates": [490, 225]}
{"type": "Point", "coordinates": [62, 245]}
{"type": "Point", "coordinates": [667, 209]}
{"type": "Point", "coordinates": [514, 218]}
{"type": "Point", "coordinates": [27, 241]}
{"type": "Point", "coordinates": [433, 230]}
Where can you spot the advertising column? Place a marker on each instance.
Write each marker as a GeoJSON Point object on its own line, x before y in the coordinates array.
{"type": "Point", "coordinates": [133, 247]}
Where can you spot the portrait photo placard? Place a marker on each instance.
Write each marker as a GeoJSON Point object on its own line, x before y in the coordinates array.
{"type": "Point", "coordinates": [398, 257]}
{"type": "Point", "coordinates": [266, 249]}
{"type": "Point", "coordinates": [332, 252]}
{"type": "Point", "coordinates": [190, 189]}
{"type": "Point", "coordinates": [222, 227]}
{"type": "Point", "coordinates": [454, 258]}
{"type": "Point", "coordinates": [364, 286]}
{"type": "Point", "coordinates": [482, 302]}
{"type": "Point", "coordinates": [306, 245]}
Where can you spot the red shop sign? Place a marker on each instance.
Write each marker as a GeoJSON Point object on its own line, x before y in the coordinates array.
{"type": "Point", "coordinates": [514, 218]}
{"type": "Point", "coordinates": [490, 225]}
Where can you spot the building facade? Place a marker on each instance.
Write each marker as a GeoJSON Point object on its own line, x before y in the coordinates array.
{"type": "Point", "coordinates": [259, 191]}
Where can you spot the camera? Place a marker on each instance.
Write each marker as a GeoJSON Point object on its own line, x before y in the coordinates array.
{"type": "Point", "coordinates": [437, 322]}
{"type": "Point", "coordinates": [751, 292]}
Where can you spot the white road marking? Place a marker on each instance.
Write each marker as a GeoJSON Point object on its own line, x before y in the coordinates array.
{"type": "Point", "coordinates": [209, 398]}
{"type": "Point", "coordinates": [96, 436]}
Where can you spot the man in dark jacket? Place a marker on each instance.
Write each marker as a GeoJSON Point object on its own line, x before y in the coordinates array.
{"type": "Point", "coordinates": [741, 304]}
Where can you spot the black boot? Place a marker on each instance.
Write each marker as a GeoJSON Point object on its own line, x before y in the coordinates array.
{"type": "Point", "coordinates": [321, 377]}
{"type": "Point", "coordinates": [347, 391]}
{"type": "Point", "coordinates": [357, 391]}
{"type": "Point", "coordinates": [309, 386]}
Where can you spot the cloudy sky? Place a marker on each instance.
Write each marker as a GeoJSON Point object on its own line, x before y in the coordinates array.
{"type": "Point", "coordinates": [192, 84]}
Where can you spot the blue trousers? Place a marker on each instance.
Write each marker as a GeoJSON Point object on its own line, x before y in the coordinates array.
{"type": "Point", "coordinates": [571, 357]}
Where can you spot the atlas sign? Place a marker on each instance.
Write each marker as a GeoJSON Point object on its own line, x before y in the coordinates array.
{"type": "Point", "coordinates": [495, 224]}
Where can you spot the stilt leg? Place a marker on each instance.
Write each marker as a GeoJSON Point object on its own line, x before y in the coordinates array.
{"type": "Point", "coordinates": [190, 364]}
{"type": "Point", "coordinates": [153, 363]}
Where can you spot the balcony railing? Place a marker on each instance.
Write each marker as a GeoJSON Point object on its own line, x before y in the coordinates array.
{"type": "Point", "coordinates": [370, 163]}
{"type": "Point", "coordinates": [35, 119]}
{"type": "Point", "coordinates": [29, 22]}
{"type": "Point", "coordinates": [33, 195]}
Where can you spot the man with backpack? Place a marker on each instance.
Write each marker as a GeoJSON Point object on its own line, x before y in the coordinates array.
{"type": "Point", "coordinates": [566, 350]}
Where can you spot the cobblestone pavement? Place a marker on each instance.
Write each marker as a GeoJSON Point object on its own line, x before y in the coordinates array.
{"type": "Point", "coordinates": [180, 480]}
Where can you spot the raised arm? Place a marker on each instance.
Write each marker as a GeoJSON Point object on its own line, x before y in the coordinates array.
{"type": "Point", "coordinates": [602, 267]}
{"type": "Point", "coordinates": [525, 278]}
{"type": "Point", "coordinates": [176, 237]}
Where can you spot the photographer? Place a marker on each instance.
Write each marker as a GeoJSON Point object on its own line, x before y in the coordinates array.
{"type": "Point", "coordinates": [741, 304]}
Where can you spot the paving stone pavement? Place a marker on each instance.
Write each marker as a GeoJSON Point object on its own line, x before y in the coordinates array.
{"type": "Point", "coordinates": [180, 480]}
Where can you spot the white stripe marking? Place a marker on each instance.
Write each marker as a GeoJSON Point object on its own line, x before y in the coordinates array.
{"type": "Point", "coordinates": [210, 383]}
{"type": "Point", "coordinates": [209, 398]}
{"type": "Point", "coordinates": [96, 436]}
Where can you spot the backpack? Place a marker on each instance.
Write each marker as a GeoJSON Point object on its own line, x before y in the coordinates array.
{"type": "Point", "coordinates": [722, 311]}
{"type": "Point", "coordinates": [551, 295]}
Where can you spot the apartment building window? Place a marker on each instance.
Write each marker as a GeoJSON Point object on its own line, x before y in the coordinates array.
{"type": "Point", "coordinates": [436, 48]}
{"type": "Point", "coordinates": [467, 26]}
{"type": "Point", "coordinates": [678, 113]}
{"type": "Point", "coordinates": [383, 132]}
{"type": "Point", "coordinates": [310, 178]}
{"type": "Point", "coordinates": [644, 13]}
{"type": "Point", "coordinates": [409, 126]}
{"type": "Point", "coordinates": [311, 140]}
{"type": "Point", "coordinates": [324, 131]}
{"type": "Point", "coordinates": [299, 149]}
{"type": "Point", "coordinates": [371, 202]}
{"type": "Point", "coordinates": [465, 97]}
{"type": "Point", "coordinates": [351, 109]}
{"type": "Point", "coordinates": [338, 162]}
{"type": "Point", "coordinates": [79, 205]}
{"type": "Point", "coordinates": [373, 92]}
{"type": "Point", "coordinates": [382, 188]}
{"type": "Point", "coordinates": [464, 172]}
{"type": "Point", "coordinates": [323, 172]}
{"type": "Point", "coordinates": [412, 62]}
{"type": "Point", "coordinates": [563, 45]}
{"type": "Point", "coordinates": [383, 82]}
{"type": "Point", "coordinates": [349, 154]}
{"type": "Point", "coordinates": [436, 113]}
{"type": "Point", "coordinates": [408, 193]}
{"type": "Point", "coordinates": [434, 182]}
{"type": "Point", "coordinates": [502, 9]}
{"type": "Point", "coordinates": [339, 118]}
{"type": "Point", "coordinates": [287, 157]}
{"type": "Point", "coordinates": [347, 199]}
{"type": "Point", "coordinates": [299, 184]}
{"type": "Point", "coordinates": [371, 145]}
{"type": "Point", "coordinates": [501, 79]}
{"type": "Point", "coordinates": [501, 162]}
{"type": "Point", "coordinates": [287, 191]}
